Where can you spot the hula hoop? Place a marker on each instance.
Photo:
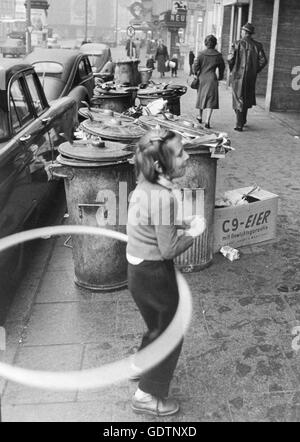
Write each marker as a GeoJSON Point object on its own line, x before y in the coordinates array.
{"type": "Point", "coordinates": [109, 373]}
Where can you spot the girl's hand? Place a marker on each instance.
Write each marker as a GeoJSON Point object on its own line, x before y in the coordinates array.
{"type": "Point", "coordinates": [197, 226]}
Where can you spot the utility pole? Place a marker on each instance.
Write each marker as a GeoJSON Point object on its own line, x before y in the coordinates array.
{"type": "Point", "coordinates": [117, 20]}
{"type": "Point", "coordinates": [28, 26]}
{"type": "Point", "coordinates": [86, 21]}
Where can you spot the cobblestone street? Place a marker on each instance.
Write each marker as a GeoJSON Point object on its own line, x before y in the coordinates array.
{"type": "Point", "coordinates": [237, 363]}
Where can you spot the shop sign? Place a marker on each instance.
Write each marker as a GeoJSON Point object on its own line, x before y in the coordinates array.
{"type": "Point", "coordinates": [179, 6]}
{"type": "Point", "coordinates": [177, 20]}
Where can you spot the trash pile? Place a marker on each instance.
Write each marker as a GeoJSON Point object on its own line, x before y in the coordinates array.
{"type": "Point", "coordinates": [232, 198]}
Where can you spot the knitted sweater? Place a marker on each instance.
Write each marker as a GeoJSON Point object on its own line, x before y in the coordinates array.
{"type": "Point", "coordinates": [151, 228]}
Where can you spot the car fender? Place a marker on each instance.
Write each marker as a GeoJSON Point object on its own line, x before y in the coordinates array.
{"type": "Point", "coordinates": [79, 93]}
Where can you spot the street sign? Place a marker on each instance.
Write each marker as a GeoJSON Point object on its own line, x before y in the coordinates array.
{"type": "Point", "coordinates": [130, 31]}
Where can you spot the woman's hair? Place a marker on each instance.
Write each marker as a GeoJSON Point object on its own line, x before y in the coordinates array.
{"type": "Point", "coordinates": [210, 41]}
{"type": "Point", "coordinates": [154, 147]}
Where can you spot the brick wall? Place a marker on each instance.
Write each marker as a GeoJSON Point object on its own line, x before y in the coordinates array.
{"type": "Point", "coordinates": [262, 20]}
{"type": "Point", "coordinates": [287, 56]}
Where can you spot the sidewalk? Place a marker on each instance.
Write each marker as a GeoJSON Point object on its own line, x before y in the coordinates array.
{"type": "Point", "coordinates": [237, 362]}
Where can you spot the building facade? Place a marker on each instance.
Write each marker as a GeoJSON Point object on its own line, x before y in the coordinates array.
{"type": "Point", "coordinates": [7, 9]}
{"type": "Point", "coordinates": [68, 19]}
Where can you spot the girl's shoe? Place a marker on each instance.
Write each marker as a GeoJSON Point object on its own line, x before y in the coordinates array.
{"type": "Point", "coordinates": [199, 120]}
{"type": "Point", "coordinates": [156, 406]}
{"type": "Point", "coordinates": [207, 125]}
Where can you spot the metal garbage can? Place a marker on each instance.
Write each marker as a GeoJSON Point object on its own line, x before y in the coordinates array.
{"type": "Point", "coordinates": [115, 100]}
{"type": "Point", "coordinates": [126, 72]}
{"type": "Point", "coordinates": [98, 181]}
{"type": "Point", "coordinates": [200, 179]}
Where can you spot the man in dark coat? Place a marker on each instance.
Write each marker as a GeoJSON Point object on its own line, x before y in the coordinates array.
{"type": "Point", "coordinates": [161, 57]}
{"type": "Point", "coordinates": [246, 59]}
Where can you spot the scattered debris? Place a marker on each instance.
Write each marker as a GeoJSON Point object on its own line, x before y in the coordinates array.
{"type": "Point", "coordinates": [230, 253]}
{"type": "Point", "coordinates": [283, 288]}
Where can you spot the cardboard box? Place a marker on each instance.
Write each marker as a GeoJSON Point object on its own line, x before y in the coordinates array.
{"type": "Point", "coordinates": [246, 224]}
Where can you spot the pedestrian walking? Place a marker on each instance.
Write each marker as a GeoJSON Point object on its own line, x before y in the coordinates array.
{"type": "Point", "coordinates": [174, 67]}
{"type": "Point", "coordinates": [191, 62]}
{"type": "Point", "coordinates": [161, 56]}
{"type": "Point", "coordinates": [130, 48]}
{"type": "Point", "coordinates": [152, 244]}
{"type": "Point", "coordinates": [205, 67]}
{"type": "Point", "coordinates": [137, 44]}
{"type": "Point", "coordinates": [246, 59]}
{"type": "Point", "coordinates": [150, 63]}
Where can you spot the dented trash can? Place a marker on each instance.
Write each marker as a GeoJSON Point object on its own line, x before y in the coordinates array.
{"type": "Point", "coordinates": [98, 180]}
{"type": "Point", "coordinates": [199, 187]}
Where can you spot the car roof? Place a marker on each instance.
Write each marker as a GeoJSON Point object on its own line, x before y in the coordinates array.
{"type": "Point", "coordinates": [8, 68]}
{"type": "Point", "coordinates": [62, 56]}
{"type": "Point", "coordinates": [66, 57]}
{"type": "Point", "coordinates": [93, 48]}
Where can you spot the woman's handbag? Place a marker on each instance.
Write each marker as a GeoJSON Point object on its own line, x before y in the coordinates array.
{"type": "Point", "coordinates": [195, 82]}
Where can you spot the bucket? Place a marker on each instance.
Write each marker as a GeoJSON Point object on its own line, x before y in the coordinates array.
{"type": "Point", "coordinates": [145, 75]}
{"type": "Point", "coordinates": [126, 72]}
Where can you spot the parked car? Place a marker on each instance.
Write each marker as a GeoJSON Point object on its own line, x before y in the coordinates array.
{"type": "Point", "coordinates": [14, 47]}
{"type": "Point", "coordinates": [18, 34]}
{"type": "Point", "coordinates": [63, 72]}
{"type": "Point", "coordinates": [52, 43]}
{"type": "Point", "coordinates": [30, 132]}
{"type": "Point", "coordinates": [99, 54]}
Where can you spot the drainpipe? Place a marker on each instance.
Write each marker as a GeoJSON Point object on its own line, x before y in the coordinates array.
{"type": "Point", "coordinates": [273, 47]}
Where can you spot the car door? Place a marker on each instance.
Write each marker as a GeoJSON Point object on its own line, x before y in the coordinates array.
{"type": "Point", "coordinates": [54, 124]}
{"type": "Point", "coordinates": [16, 201]}
{"type": "Point", "coordinates": [84, 83]}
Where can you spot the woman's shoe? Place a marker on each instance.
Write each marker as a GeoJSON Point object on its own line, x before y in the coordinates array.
{"type": "Point", "coordinates": [199, 120]}
{"type": "Point", "coordinates": [156, 406]}
{"type": "Point", "coordinates": [207, 125]}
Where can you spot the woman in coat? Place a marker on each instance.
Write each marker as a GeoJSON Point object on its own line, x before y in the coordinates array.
{"type": "Point", "coordinates": [205, 66]}
{"type": "Point", "coordinates": [161, 57]}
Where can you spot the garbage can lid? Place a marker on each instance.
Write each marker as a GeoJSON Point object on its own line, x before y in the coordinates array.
{"type": "Point", "coordinates": [94, 150]}
{"type": "Point", "coordinates": [102, 114]}
{"type": "Point", "coordinates": [114, 130]}
{"type": "Point", "coordinates": [112, 93]}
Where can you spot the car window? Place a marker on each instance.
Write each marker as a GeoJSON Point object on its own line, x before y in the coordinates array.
{"type": "Point", "coordinates": [19, 109]}
{"type": "Point", "coordinates": [48, 68]}
{"type": "Point", "coordinates": [36, 99]}
{"type": "Point", "coordinates": [3, 124]}
{"type": "Point", "coordinates": [82, 70]}
{"type": "Point", "coordinates": [88, 66]}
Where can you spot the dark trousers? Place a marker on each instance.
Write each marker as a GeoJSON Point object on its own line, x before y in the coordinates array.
{"type": "Point", "coordinates": [154, 289]}
{"type": "Point", "coordinates": [241, 117]}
